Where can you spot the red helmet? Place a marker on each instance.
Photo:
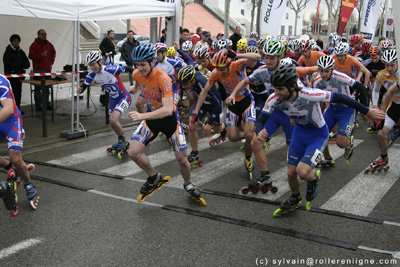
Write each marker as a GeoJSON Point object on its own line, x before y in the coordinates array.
{"type": "Point", "coordinates": [356, 39]}
{"type": "Point", "coordinates": [220, 59]}
{"type": "Point", "coordinates": [366, 45]}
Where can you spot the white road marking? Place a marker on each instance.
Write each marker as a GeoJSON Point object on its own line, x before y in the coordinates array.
{"type": "Point", "coordinates": [279, 177]}
{"type": "Point", "coordinates": [6, 252]}
{"type": "Point", "coordinates": [365, 191]}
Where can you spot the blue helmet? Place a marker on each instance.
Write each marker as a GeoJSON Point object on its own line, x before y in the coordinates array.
{"type": "Point", "coordinates": [143, 52]}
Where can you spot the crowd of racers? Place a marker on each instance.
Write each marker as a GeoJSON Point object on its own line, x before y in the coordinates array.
{"type": "Point", "coordinates": [311, 92]}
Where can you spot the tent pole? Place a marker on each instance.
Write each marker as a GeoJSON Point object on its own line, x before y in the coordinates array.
{"type": "Point", "coordinates": [73, 80]}
{"type": "Point", "coordinates": [77, 51]}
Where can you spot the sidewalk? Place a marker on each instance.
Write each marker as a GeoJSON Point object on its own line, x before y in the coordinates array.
{"type": "Point", "coordinates": [93, 119]}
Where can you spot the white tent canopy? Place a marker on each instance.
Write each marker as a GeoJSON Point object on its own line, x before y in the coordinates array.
{"type": "Point", "coordinates": [87, 10]}
{"type": "Point", "coordinates": [78, 10]}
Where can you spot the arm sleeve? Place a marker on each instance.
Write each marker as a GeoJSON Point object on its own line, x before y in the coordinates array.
{"type": "Point", "coordinates": [375, 92]}
{"type": "Point", "coordinates": [342, 99]}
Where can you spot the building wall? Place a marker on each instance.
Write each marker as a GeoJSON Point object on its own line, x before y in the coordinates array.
{"type": "Point", "coordinates": [59, 33]}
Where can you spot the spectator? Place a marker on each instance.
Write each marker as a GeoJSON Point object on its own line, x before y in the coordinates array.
{"type": "Point", "coordinates": [43, 55]}
{"type": "Point", "coordinates": [126, 51]}
{"type": "Point", "coordinates": [107, 47]}
{"type": "Point", "coordinates": [185, 35]}
{"type": "Point", "coordinates": [15, 62]}
{"type": "Point", "coordinates": [235, 37]}
{"type": "Point", "coordinates": [163, 37]}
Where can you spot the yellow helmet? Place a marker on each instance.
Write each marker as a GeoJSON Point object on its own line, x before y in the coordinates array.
{"type": "Point", "coordinates": [242, 44]}
{"type": "Point", "coordinates": [171, 52]}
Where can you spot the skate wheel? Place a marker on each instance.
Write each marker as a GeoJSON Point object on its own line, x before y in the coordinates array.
{"type": "Point", "coordinates": [113, 152]}
{"type": "Point", "coordinates": [244, 191]}
{"type": "Point", "coordinates": [254, 190]}
{"type": "Point", "coordinates": [34, 204]}
{"type": "Point", "coordinates": [308, 205]}
{"type": "Point", "coordinates": [274, 189]}
{"type": "Point", "coordinates": [139, 198]}
{"type": "Point", "coordinates": [277, 213]}
{"type": "Point", "coordinates": [14, 213]}
{"type": "Point", "coordinates": [202, 202]}
{"type": "Point", "coordinates": [109, 149]}
{"type": "Point", "coordinates": [120, 155]}
{"type": "Point", "coordinates": [31, 167]}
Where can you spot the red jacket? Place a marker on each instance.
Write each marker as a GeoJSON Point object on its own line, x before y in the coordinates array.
{"type": "Point", "coordinates": [43, 55]}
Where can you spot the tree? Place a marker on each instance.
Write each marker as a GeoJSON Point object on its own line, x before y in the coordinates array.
{"type": "Point", "coordinates": [226, 19]}
{"type": "Point", "coordinates": [297, 6]}
{"type": "Point", "coordinates": [184, 3]}
{"type": "Point", "coordinates": [254, 5]}
{"type": "Point", "coordinates": [333, 7]}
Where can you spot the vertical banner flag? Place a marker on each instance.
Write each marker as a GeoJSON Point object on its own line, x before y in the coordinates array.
{"type": "Point", "coordinates": [396, 17]}
{"type": "Point", "coordinates": [271, 15]}
{"type": "Point", "coordinates": [346, 8]}
{"type": "Point", "coordinates": [369, 18]}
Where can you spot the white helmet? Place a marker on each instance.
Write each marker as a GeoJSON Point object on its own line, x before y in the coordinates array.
{"type": "Point", "coordinates": [326, 62]}
{"type": "Point", "coordinates": [187, 45]}
{"type": "Point", "coordinates": [342, 49]}
{"type": "Point", "coordinates": [286, 61]}
{"type": "Point", "coordinates": [93, 57]}
{"type": "Point", "coordinates": [201, 52]}
{"type": "Point", "coordinates": [389, 56]}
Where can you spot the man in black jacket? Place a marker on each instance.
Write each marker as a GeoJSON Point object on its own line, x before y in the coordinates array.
{"type": "Point", "coordinates": [235, 37]}
{"type": "Point", "coordinates": [15, 62]}
{"type": "Point", "coordinates": [126, 51]}
{"type": "Point", "coordinates": [107, 47]}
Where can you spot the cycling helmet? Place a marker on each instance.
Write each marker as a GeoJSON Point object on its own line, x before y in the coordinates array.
{"type": "Point", "coordinates": [186, 73]}
{"type": "Point", "coordinates": [342, 49]}
{"type": "Point", "coordinates": [286, 61]}
{"type": "Point", "coordinates": [326, 62]}
{"type": "Point", "coordinates": [242, 44]}
{"type": "Point", "coordinates": [253, 35]}
{"type": "Point", "coordinates": [220, 59]}
{"type": "Point", "coordinates": [160, 47]}
{"type": "Point", "coordinates": [171, 52]}
{"type": "Point", "coordinates": [284, 75]}
{"type": "Point", "coordinates": [385, 44]}
{"type": "Point", "coordinates": [305, 45]}
{"type": "Point", "coordinates": [221, 44]}
{"type": "Point", "coordinates": [93, 57]}
{"type": "Point", "coordinates": [356, 39]}
{"type": "Point", "coordinates": [252, 42]}
{"type": "Point", "coordinates": [374, 51]}
{"type": "Point", "coordinates": [143, 52]}
{"type": "Point", "coordinates": [252, 49]}
{"type": "Point", "coordinates": [201, 52]}
{"type": "Point", "coordinates": [273, 48]}
{"type": "Point", "coordinates": [187, 46]}
{"type": "Point", "coordinates": [389, 56]}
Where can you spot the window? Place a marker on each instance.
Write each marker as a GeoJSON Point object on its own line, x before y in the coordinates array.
{"type": "Point", "coordinates": [290, 30]}
{"type": "Point", "coordinates": [242, 12]}
{"type": "Point", "coordinates": [283, 30]}
{"type": "Point", "coordinates": [287, 15]}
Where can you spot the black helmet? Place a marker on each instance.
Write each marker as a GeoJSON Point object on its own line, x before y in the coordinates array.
{"type": "Point", "coordinates": [284, 75]}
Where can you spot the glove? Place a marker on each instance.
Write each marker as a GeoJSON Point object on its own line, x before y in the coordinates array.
{"type": "Point", "coordinates": [192, 121]}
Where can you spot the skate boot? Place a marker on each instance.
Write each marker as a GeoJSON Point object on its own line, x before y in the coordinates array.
{"type": "Point", "coordinates": [119, 149]}
{"type": "Point", "coordinates": [194, 160]}
{"type": "Point", "coordinates": [348, 151]}
{"type": "Point", "coordinates": [248, 164]}
{"type": "Point", "coordinates": [152, 184]}
{"type": "Point", "coordinates": [312, 192]}
{"type": "Point", "coordinates": [32, 195]}
{"type": "Point", "coordinates": [9, 195]}
{"type": "Point", "coordinates": [378, 165]}
{"type": "Point", "coordinates": [218, 140]}
{"type": "Point", "coordinates": [288, 206]}
{"type": "Point", "coordinates": [195, 194]}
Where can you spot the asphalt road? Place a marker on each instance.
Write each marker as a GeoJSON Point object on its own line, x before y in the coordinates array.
{"type": "Point", "coordinates": [88, 215]}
